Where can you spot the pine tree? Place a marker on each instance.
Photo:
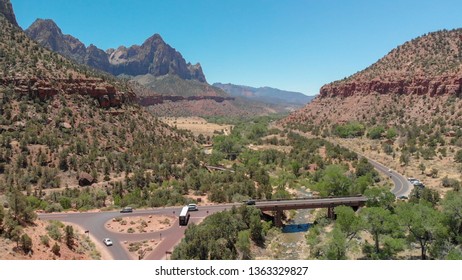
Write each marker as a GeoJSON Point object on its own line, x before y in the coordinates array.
{"type": "Point", "coordinates": [69, 236]}
{"type": "Point", "coordinates": [26, 243]}
{"type": "Point", "coordinates": [56, 249]}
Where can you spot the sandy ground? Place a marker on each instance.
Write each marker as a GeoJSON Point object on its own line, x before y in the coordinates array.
{"type": "Point", "coordinates": [140, 224]}
{"type": "Point", "coordinates": [197, 125]}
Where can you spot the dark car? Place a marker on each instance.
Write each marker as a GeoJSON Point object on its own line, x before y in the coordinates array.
{"type": "Point", "coordinates": [126, 210]}
{"type": "Point", "coordinates": [250, 202]}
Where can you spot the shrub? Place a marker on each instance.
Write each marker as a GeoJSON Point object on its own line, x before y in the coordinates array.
{"type": "Point", "coordinates": [376, 132]}
{"type": "Point", "coordinates": [54, 230]}
{"type": "Point", "coordinates": [56, 249]}
{"type": "Point", "coordinates": [458, 156]}
{"type": "Point", "coordinates": [26, 243]}
{"type": "Point", "coordinates": [45, 240]}
{"type": "Point", "coordinates": [450, 183]}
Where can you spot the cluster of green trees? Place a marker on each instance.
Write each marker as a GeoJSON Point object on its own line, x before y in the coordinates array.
{"type": "Point", "coordinates": [226, 235]}
{"type": "Point", "coordinates": [336, 180]}
{"type": "Point", "coordinates": [17, 213]}
{"type": "Point", "coordinates": [348, 130]}
{"type": "Point", "coordinates": [431, 227]}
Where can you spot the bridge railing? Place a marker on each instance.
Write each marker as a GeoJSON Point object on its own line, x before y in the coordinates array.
{"type": "Point", "coordinates": [309, 198]}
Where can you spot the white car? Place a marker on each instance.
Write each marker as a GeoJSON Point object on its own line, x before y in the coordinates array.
{"type": "Point", "coordinates": [107, 242]}
{"type": "Point", "coordinates": [192, 207]}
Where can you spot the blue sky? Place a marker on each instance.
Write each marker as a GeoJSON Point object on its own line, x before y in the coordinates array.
{"type": "Point", "coordinates": [296, 45]}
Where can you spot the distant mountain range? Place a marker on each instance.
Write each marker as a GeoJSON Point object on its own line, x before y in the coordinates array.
{"type": "Point", "coordinates": [153, 57]}
{"type": "Point", "coordinates": [266, 94]}
{"type": "Point", "coordinates": [160, 68]}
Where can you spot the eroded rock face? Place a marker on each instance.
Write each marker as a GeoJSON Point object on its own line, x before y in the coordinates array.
{"type": "Point", "coordinates": [451, 85]}
{"type": "Point", "coordinates": [413, 84]}
{"type": "Point", "coordinates": [6, 9]}
{"type": "Point", "coordinates": [85, 179]}
{"type": "Point", "coordinates": [427, 65]}
{"type": "Point", "coordinates": [106, 94]}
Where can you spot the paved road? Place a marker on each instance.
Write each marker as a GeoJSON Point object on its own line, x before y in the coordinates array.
{"type": "Point", "coordinates": [95, 224]}
{"type": "Point", "coordinates": [402, 186]}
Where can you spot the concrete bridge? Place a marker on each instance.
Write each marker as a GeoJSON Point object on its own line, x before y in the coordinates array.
{"type": "Point", "coordinates": [277, 206]}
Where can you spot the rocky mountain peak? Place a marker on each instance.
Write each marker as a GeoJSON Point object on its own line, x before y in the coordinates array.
{"type": "Point", "coordinates": [154, 39]}
{"type": "Point", "coordinates": [41, 25]}
{"type": "Point", "coordinates": [6, 9]}
{"type": "Point", "coordinates": [153, 57]}
{"type": "Point", "coordinates": [47, 33]}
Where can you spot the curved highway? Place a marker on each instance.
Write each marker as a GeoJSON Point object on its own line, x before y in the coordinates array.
{"type": "Point", "coordinates": [402, 186]}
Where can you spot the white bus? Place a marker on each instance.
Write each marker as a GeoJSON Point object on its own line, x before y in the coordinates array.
{"type": "Point", "coordinates": [184, 216]}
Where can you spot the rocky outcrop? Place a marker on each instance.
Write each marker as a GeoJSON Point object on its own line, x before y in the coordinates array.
{"type": "Point", "coordinates": [413, 84]}
{"type": "Point", "coordinates": [96, 58]}
{"type": "Point", "coordinates": [154, 56]}
{"type": "Point", "coordinates": [6, 9]}
{"type": "Point", "coordinates": [428, 65]}
{"type": "Point", "coordinates": [85, 179]}
{"type": "Point", "coordinates": [451, 85]}
{"type": "Point", "coordinates": [106, 94]}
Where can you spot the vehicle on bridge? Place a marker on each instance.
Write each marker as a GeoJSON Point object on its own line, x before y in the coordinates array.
{"type": "Point", "coordinates": [184, 216]}
{"type": "Point", "coordinates": [126, 210]}
{"type": "Point", "coordinates": [250, 202]}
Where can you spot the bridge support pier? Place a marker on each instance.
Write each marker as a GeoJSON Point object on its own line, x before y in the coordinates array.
{"type": "Point", "coordinates": [278, 218]}
{"type": "Point", "coordinates": [331, 213]}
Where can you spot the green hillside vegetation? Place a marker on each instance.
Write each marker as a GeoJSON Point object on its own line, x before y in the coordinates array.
{"type": "Point", "coordinates": [227, 235]}
{"type": "Point", "coordinates": [45, 144]}
{"type": "Point", "coordinates": [420, 229]}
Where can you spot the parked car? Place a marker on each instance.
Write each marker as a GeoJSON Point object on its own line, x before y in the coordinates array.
{"type": "Point", "coordinates": [414, 181]}
{"type": "Point", "coordinates": [192, 207]}
{"type": "Point", "coordinates": [126, 210]}
{"type": "Point", "coordinates": [107, 242]}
